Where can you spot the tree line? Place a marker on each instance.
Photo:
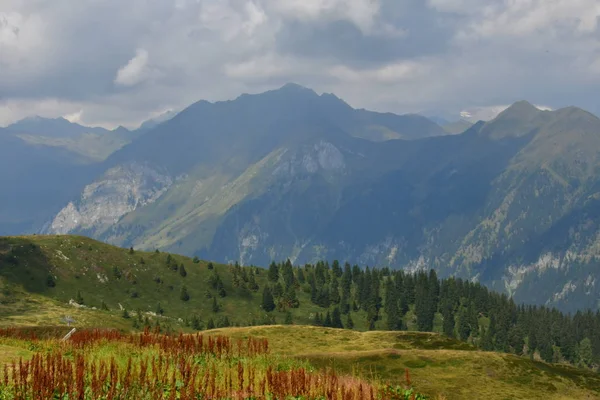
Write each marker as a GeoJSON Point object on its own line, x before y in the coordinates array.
{"type": "Point", "coordinates": [468, 311]}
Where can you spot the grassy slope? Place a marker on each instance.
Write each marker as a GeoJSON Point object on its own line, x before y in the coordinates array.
{"type": "Point", "coordinates": [82, 264]}
{"type": "Point", "coordinates": [437, 365]}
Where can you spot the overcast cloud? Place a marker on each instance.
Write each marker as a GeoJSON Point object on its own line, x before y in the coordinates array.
{"type": "Point", "coordinates": [111, 62]}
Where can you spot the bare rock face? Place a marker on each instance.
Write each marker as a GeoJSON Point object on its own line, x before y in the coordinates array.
{"type": "Point", "coordinates": [119, 191]}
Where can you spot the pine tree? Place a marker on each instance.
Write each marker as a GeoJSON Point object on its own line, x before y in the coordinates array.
{"type": "Point", "coordinates": [215, 305]}
{"type": "Point", "coordinates": [487, 340]}
{"type": "Point", "coordinates": [318, 320]}
{"type": "Point", "coordinates": [336, 319]}
{"type": "Point", "coordinates": [50, 282]}
{"type": "Point", "coordinates": [273, 274]}
{"type": "Point", "coordinates": [210, 265]}
{"type": "Point", "coordinates": [183, 294]}
{"type": "Point", "coordinates": [300, 276]}
{"type": "Point", "coordinates": [159, 309]}
{"type": "Point", "coordinates": [277, 290]}
{"type": "Point", "coordinates": [327, 321]}
{"type": "Point", "coordinates": [584, 352]}
{"type": "Point", "coordinates": [196, 324]}
{"type": "Point", "coordinates": [290, 298]}
{"type": "Point", "coordinates": [210, 324]}
{"type": "Point", "coordinates": [394, 321]}
{"type": "Point", "coordinates": [448, 323]}
{"type": "Point", "coordinates": [287, 274]}
{"type": "Point", "coordinates": [79, 297]}
{"type": "Point", "coordinates": [334, 292]}
{"type": "Point", "coordinates": [182, 271]}
{"type": "Point", "coordinates": [336, 269]}
{"type": "Point", "coordinates": [252, 283]}
{"type": "Point", "coordinates": [268, 304]}
{"type": "Point", "coordinates": [349, 322]}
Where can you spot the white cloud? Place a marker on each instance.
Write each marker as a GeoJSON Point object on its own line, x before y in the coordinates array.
{"type": "Point", "coordinates": [134, 71]}
{"type": "Point", "coordinates": [387, 55]}
{"type": "Point", "coordinates": [360, 12]}
{"type": "Point", "coordinates": [74, 117]}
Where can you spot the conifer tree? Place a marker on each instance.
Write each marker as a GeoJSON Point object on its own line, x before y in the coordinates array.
{"type": "Point", "coordinates": [182, 271]}
{"type": "Point", "coordinates": [394, 321]}
{"type": "Point", "coordinates": [327, 321]}
{"type": "Point", "coordinates": [318, 320]}
{"type": "Point", "coordinates": [268, 304]}
{"type": "Point", "coordinates": [210, 324]}
{"type": "Point", "coordinates": [349, 322]}
{"type": "Point", "coordinates": [215, 305]}
{"type": "Point", "coordinates": [336, 319]}
{"type": "Point", "coordinates": [273, 274]}
{"type": "Point", "coordinates": [334, 292]}
{"type": "Point", "coordinates": [183, 295]}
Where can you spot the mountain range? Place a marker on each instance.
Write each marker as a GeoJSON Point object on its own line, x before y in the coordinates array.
{"type": "Point", "coordinates": [289, 173]}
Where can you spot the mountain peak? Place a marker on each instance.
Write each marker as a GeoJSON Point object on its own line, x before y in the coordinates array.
{"type": "Point", "coordinates": [293, 86]}
{"type": "Point", "coordinates": [520, 110]}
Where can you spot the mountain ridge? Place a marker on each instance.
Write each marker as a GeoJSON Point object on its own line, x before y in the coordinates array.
{"type": "Point", "coordinates": [292, 174]}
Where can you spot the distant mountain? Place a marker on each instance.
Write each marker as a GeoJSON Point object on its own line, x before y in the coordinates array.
{"type": "Point", "coordinates": [153, 122]}
{"type": "Point", "coordinates": [35, 181]}
{"type": "Point", "coordinates": [52, 127]}
{"type": "Point", "coordinates": [292, 174]}
{"type": "Point", "coordinates": [457, 126]}
{"type": "Point", "coordinates": [94, 144]}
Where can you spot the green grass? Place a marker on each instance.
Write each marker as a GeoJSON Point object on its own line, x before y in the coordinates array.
{"type": "Point", "coordinates": [438, 366]}
{"type": "Point", "coordinates": [80, 264]}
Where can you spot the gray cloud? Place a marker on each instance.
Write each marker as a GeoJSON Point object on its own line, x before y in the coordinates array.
{"type": "Point", "coordinates": [115, 62]}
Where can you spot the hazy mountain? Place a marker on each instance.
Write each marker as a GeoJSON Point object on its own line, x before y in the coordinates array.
{"type": "Point", "coordinates": [93, 144]}
{"type": "Point", "coordinates": [289, 173]}
{"type": "Point", "coordinates": [457, 126]}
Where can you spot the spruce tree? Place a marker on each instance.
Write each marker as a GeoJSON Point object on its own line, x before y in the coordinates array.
{"type": "Point", "coordinates": [394, 321]}
{"type": "Point", "coordinates": [182, 271]}
{"type": "Point", "coordinates": [327, 321]}
{"type": "Point", "coordinates": [268, 304]}
{"type": "Point", "coordinates": [349, 322]}
{"type": "Point", "coordinates": [215, 305]}
{"type": "Point", "coordinates": [183, 294]}
{"type": "Point", "coordinates": [318, 320]}
{"type": "Point", "coordinates": [79, 297]}
{"type": "Point", "coordinates": [273, 274]}
{"type": "Point", "coordinates": [210, 324]}
{"type": "Point", "coordinates": [336, 319]}
{"type": "Point", "coordinates": [277, 290]}
{"type": "Point", "coordinates": [334, 292]}
{"type": "Point", "coordinates": [196, 324]}
{"type": "Point", "coordinates": [448, 323]}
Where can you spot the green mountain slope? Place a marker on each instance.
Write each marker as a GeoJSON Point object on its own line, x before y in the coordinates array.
{"type": "Point", "coordinates": [44, 278]}
{"type": "Point", "coordinates": [292, 174]}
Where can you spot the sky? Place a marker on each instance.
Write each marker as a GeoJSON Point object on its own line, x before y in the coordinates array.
{"type": "Point", "coordinates": [115, 62]}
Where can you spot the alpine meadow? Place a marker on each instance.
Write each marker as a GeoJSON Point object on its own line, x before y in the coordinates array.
{"type": "Point", "coordinates": [299, 200]}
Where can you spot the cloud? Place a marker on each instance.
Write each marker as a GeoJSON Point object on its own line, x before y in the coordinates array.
{"type": "Point", "coordinates": [121, 62]}
{"type": "Point", "coordinates": [134, 71]}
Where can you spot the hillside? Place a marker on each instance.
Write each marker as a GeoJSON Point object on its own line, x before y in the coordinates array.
{"type": "Point", "coordinates": [292, 174]}
{"type": "Point", "coordinates": [437, 365]}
